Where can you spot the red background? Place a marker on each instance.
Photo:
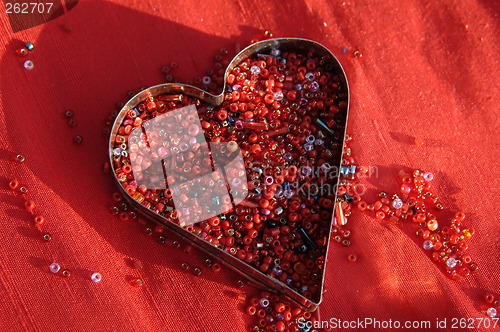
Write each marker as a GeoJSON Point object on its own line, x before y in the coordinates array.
{"type": "Point", "coordinates": [428, 71]}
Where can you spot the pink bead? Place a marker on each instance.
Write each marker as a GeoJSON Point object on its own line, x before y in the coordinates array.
{"type": "Point", "coordinates": [405, 189]}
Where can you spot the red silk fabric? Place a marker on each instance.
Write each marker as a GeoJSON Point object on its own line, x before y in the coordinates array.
{"type": "Point", "coordinates": [427, 71]}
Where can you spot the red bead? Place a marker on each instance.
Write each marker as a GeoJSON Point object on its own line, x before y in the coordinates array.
{"type": "Point", "coordinates": [251, 310]}
{"type": "Point", "coordinates": [39, 220]}
{"type": "Point", "coordinates": [29, 205]}
{"type": "Point", "coordinates": [489, 298]}
{"type": "Point", "coordinates": [280, 326]}
{"type": "Point", "coordinates": [13, 184]}
{"type": "Point", "coordinates": [405, 189]}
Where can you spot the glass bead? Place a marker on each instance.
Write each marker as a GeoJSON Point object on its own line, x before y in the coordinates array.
{"type": "Point", "coordinates": [54, 267]}
{"type": "Point", "coordinates": [29, 46]}
{"type": "Point", "coordinates": [428, 176]}
{"type": "Point", "coordinates": [66, 273]}
{"type": "Point", "coordinates": [309, 76]}
{"type": "Point", "coordinates": [136, 282]}
{"type": "Point", "coordinates": [29, 65]}
{"type": "Point", "coordinates": [20, 158]}
{"type": "Point", "coordinates": [47, 237]}
{"type": "Point", "coordinates": [206, 80]}
{"type": "Point", "coordinates": [491, 312]}
{"type": "Point", "coordinates": [428, 245]}
{"type": "Point", "coordinates": [314, 86]}
{"type": "Point", "coordinates": [255, 70]}
{"type": "Point", "coordinates": [264, 303]}
{"type": "Point", "coordinates": [397, 203]}
{"type": "Point", "coordinates": [278, 96]}
{"type": "Point", "coordinates": [275, 52]}
{"type": "Point", "coordinates": [451, 262]}
{"type": "Point", "coordinates": [197, 271]}
{"type": "Point", "coordinates": [77, 139]}
{"type": "Point", "coordinates": [96, 277]}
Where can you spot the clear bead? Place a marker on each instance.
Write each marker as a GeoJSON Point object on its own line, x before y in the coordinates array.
{"type": "Point", "coordinates": [278, 96]}
{"type": "Point", "coordinates": [451, 262]}
{"type": "Point", "coordinates": [428, 177]}
{"type": "Point", "coordinates": [491, 312]}
{"type": "Point", "coordinates": [314, 86]}
{"type": "Point", "coordinates": [319, 141]}
{"type": "Point", "coordinates": [54, 267]}
{"type": "Point", "coordinates": [275, 52]}
{"type": "Point", "coordinates": [96, 277]}
{"type": "Point", "coordinates": [206, 80]}
{"type": "Point", "coordinates": [28, 64]}
{"type": "Point", "coordinates": [255, 70]}
{"type": "Point", "coordinates": [309, 76]}
{"type": "Point", "coordinates": [428, 245]}
{"type": "Point", "coordinates": [397, 203]}
{"type": "Point", "coordinates": [310, 139]}
{"type": "Point", "coordinates": [264, 303]}
{"type": "Point", "coordinates": [308, 147]}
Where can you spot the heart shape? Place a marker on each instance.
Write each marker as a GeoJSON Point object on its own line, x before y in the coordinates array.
{"type": "Point", "coordinates": [249, 175]}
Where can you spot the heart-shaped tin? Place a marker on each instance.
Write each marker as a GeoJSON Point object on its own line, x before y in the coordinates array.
{"type": "Point", "coordinates": [249, 175]}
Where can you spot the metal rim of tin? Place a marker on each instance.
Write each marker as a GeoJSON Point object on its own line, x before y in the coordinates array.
{"type": "Point", "coordinates": [254, 276]}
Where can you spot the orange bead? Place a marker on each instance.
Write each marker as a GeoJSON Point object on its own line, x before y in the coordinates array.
{"type": "Point", "coordinates": [432, 225]}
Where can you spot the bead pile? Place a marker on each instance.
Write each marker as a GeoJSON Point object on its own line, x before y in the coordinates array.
{"type": "Point", "coordinates": [417, 203]}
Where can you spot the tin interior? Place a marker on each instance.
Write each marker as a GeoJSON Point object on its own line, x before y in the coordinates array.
{"type": "Point", "coordinates": [253, 275]}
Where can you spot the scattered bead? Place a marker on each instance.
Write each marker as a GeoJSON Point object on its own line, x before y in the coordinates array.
{"type": "Point", "coordinates": [357, 54]}
{"type": "Point", "coordinates": [418, 141]}
{"type": "Point", "coordinates": [352, 258]}
{"type": "Point", "coordinates": [54, 267]}
{"type": "Point", "coordinates": [29, 65]}
{"type": "Point", "coordinates": [23, 51]}
{"type": "Point", "coordinates": [20, 158]}
{"type": "Point", "coordinates": [197, 271]}
{"type": "Point", "coordinates": [69, 114]}
{"type": "Point", "coordinates": [29, 46]}
{"type": "Point", "coordinates": [489, 298]}
{"type": "Point", "coordinates": [137, 283]}
{"type": "Point", "coordinates": [47, 237]}
{"type": "Point", "coordinates": [29, 205]}
{"type": "Point", "coordinates": [66, 273]}
{"type": "Point", "coordinates": [184, 266]}
{"type": "Point", "coordinates": [39, 220]}
{"type": "Point", "coordinates": [491, 312]}
{"type": "Point", "coordinates": [96, 277]}
{"type": "Point", "coordinates": [428, 245]}
{"type": "Point", "coordinates": [13, 184]}
{"type": "Point", "coordinates": [78, 139]}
